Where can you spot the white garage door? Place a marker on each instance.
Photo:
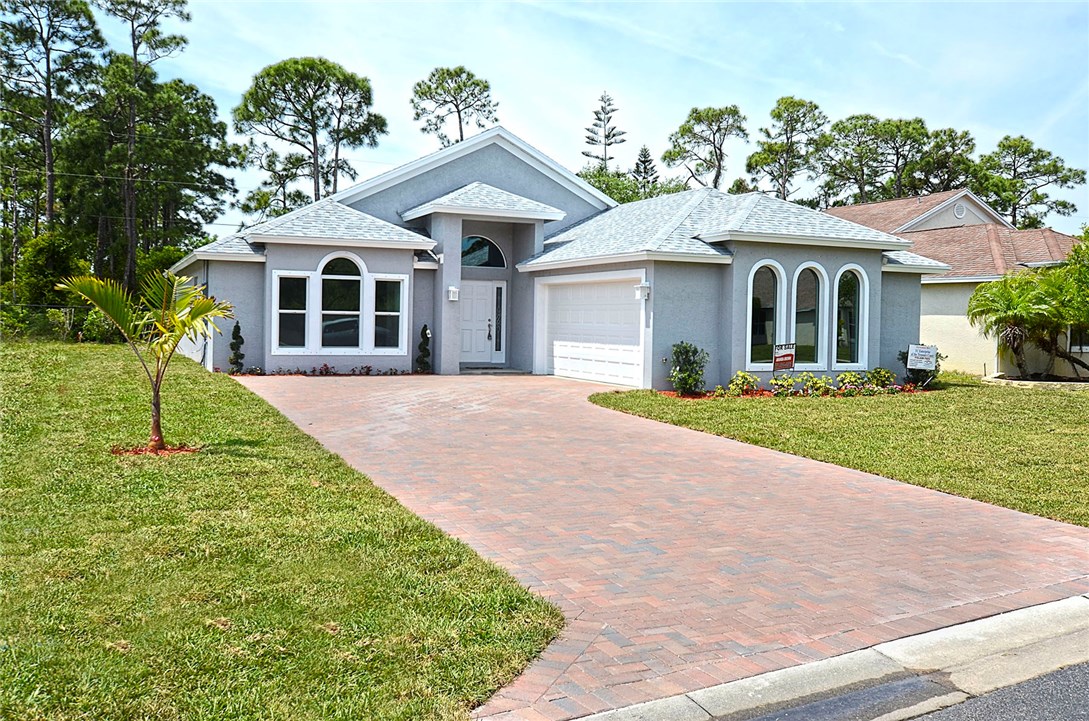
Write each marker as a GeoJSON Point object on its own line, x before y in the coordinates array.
{"type": "Point", "coordinates": [594, 332]}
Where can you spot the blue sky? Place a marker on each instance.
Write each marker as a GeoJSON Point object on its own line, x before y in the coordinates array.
{"type": "Point", "coordinates": [990, 68]}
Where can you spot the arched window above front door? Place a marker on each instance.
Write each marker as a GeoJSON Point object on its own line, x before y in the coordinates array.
{"type": "Point", "coordinates": [479, 252]}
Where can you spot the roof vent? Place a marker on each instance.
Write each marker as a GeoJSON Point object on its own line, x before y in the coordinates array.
{"type": "Point", "coordinates": [959, 210]}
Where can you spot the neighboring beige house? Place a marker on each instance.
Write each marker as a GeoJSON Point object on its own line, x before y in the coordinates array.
{"type": "Point", "coordinates": [979, 245]}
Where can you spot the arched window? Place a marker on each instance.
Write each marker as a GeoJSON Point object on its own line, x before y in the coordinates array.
{"type": "Point", "coordinates": [849, 300]}
{"type": "Point", "coordinates": [763, 309]}
{"type": "Point", "coordinates": [807, 316]}
{"type": "Point", "coordinates": [341, 293]}
{"type": "Point", "coordinates": [479, 252]}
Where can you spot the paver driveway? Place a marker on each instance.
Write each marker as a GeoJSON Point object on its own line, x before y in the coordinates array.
{"type": "Point", "coordinates": [681, 559]}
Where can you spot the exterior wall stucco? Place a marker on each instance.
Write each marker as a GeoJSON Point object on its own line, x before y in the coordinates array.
{"type": "Point", "coordinates": [307, 258]}
{"type": "Point", "coordinates": [944, 323]}
{"type": "Point", "coordinates": [490, 164]}
{"type": "Point", "coordinates": [748, 255]}
{"type": "Point", "coordinates": [687, 304]}
{"type": "Point", "coordinates": [242, 285]}
{"type": "Point", "coordinates": [900, 327]}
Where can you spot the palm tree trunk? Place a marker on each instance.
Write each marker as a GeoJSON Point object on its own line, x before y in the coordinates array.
{"type": "Point", "coordinates": [1019, 359]}
{"type": "Point", "coordinates": [156, 442]}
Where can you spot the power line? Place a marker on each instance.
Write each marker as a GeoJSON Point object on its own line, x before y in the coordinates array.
{"type": "Point", "coordinates": [189, 141]}
{"type": "Point", "coordinates": [39, 173]}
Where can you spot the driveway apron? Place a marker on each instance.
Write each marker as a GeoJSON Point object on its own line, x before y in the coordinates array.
{"type": "Point", "coordinates": [681, 560]}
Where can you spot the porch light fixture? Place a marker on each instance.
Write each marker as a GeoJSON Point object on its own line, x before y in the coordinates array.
{"type": "Point", "coordinates": [452, 293]}
{"type": "Point", "coordinates": [642, 291]}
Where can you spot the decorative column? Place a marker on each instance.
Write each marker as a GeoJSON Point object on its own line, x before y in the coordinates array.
{"type": "Point", "coordinates": [446, 232]}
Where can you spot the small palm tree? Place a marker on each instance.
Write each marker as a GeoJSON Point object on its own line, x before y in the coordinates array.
{"type": "Point", "coordinates": [169, 309]}
{"type": "Point", "coordinates": [1009, 309]}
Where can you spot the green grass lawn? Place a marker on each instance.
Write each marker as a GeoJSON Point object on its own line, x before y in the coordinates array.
{"type": "Point", "coordinates": [260, 578]}
{"type": "Point", "coordinates": [1013, 447]}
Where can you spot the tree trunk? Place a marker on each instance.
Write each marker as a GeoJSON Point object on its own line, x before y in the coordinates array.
{"type": "Point", "coordinates": [47, 146]}
{"type": "Point", "coordinates": [156, 442]}
{"type": "Point", "coordinates": [315, 166]}
{"type": "Point", "coordinates": [101, 245]}
{"type": "Point", "coordinates": [1055, 348]}
{"type": "Point", "coordinates": [1019, 360]}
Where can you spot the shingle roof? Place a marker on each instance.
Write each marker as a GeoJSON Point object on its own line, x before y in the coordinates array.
{"type": "Point", "coordinates": [989, 249]}
{"type": "Point", "coordinates": [907, 258]}
{"type": "Point", "coordinates": [888, 215]}
{"type": "Point", "coordinates": [768, 215]}
{"type": "Point", "coordinates": [483, 197]}
{"type": "Point", "coordinates": [677, 223]}
{"type": "Point", "coordinates": [231, 245]}
{"type": "Point", "coordinates": [329, 218]}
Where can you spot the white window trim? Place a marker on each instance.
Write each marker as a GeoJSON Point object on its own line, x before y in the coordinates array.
{"type": "Point", "coordinates": [369, 310]}
{"type": "Point", "coordinates": [276, 276]}
{"type": "Point", "coordinates": [780, 311]}
{"type": "Point", "coordinates": [321, 312]}
{"type": "Point", "coordinates": [822, 316]}
{"type": "Point", "coordinates": [863, 321]}
{"type": "Point", "coordinates": [314, 311]}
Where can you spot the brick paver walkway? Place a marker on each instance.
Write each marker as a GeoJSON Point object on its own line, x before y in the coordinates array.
{"type": "Point", "coordinates": [680, 559]}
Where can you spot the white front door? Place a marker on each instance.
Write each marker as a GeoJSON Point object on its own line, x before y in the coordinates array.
{"type": "Point", "coordinates": [483, 321]}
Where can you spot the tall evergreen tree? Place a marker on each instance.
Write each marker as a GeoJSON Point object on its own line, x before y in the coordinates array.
{"type": "Point", "coordinates": [602, 133]}
{"type": "Point", "coordinates": [1012, 180]}
{"type": "Point", "coordinates": [48, 54]}
{"type": "Point", "coordinates": [452, 94]}
{"type": "Point", "coordinates": [699, 144]}
{"type": "Point", "coordinates": [901, 144]}
{"type": "Point", "coordinates": [147, 43]}
{"type": "Point", "coordinates": [850, 158]}
{"type": "Point", "coordinates": [786, 148]}
{"type": "Point", "coordinates": [644, 172]}
{"type": "Point", "coordinates": [944, 164]}
{"type": "Point", "coordinates": [314, 106]}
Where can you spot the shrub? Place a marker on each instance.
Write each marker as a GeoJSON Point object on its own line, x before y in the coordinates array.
{"type": "Point", "coordinates": [61, 321]}
{"type": "Point", "coordinates": [850, 378]}
{"type": "Point", "coordinates": [97, 328]}
{"type": "Point", "coordinates": [743, 384]}
{"type": "Point", "coordinates": [687, 372]}
{"type": "Point", "coordinates": [920, 376]}
{"type": "Point", "coordinates": [236, 356]}
{"type": "Point", "coordinates": [881, 377]}
{"type": "Point", "coordinates": [720, 392]}
{"type": "Point", "coordinates": [814, 385]}
{"type": "Point", "coordinates": [423, 360]}
{"type": "Point", "coordinates": [782, 385]}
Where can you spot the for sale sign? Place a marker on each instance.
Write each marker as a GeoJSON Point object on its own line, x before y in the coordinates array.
{"type": "Point", "coordinates": [782, 358]}
{"type": "Point", "coordinates": [923, 357]}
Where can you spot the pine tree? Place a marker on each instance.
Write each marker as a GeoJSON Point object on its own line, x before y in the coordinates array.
{"type": "Point", "coordinates": [645, 174]}
{"type": "Point", "coordinates": [602, 132]}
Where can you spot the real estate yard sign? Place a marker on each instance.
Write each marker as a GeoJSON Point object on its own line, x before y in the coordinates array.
{"type": "Point", "coordinates": [782, 358]}
{"type": "Point", "coordinates": [923, 357]}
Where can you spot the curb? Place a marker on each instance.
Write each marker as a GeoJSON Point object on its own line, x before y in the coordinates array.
{"type": "Point", "coordinates": [897, 679]}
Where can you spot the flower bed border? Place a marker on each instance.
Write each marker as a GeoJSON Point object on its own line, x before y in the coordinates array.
{"type": "Point", "coordinates": [1039, 385]}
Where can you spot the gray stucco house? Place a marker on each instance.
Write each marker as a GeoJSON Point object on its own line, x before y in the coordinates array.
{"type": "Point", "coordinates": [514, 262]}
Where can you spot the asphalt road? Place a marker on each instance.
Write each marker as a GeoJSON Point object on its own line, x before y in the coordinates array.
{"type": "Point", "coordinates": [1059, 696]}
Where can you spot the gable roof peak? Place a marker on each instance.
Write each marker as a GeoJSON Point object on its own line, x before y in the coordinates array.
{"type": "Point", "coordinates": [496, 135]}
